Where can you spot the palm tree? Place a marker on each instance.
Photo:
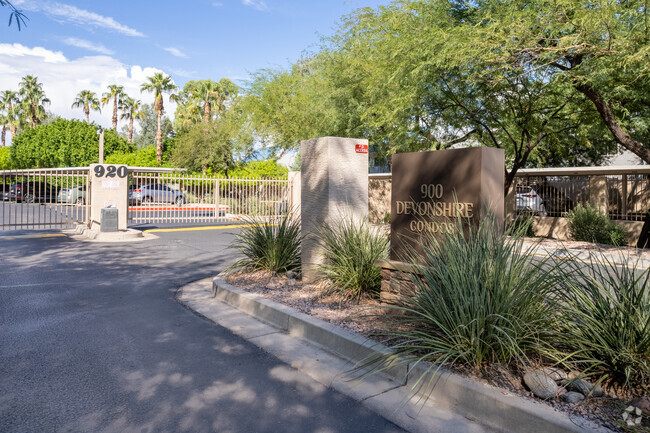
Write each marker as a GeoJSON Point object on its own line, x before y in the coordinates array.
{"type": "Point", "coordinates": [131, 109]}
{"type": "Point", "coordinates": [88, 100]}
{"type": "Point", "coordinates": [158, 84]}
{"type": "Point", "coordinates": [33, 98]}
{"type": "Point", "coordinates": [115, 93]}
{"type": "Point", "coordinates": [209, 94]}
{"type": "Point", "coordinates": [11, 106]}
{"type": "Point", "coordinates": [3, 121]}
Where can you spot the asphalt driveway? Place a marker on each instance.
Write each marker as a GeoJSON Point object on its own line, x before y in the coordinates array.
{"type": "Point", "coordinates": [93, 339]}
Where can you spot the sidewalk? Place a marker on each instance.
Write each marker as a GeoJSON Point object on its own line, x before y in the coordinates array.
{"type": "Point", "coordinates": [327, 353]}
{"type": "Point", "coordinates": [589, 252]}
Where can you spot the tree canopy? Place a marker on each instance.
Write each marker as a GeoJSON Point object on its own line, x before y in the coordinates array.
{"type": "Point", "coordinates": [63, 143]}
{"type": "Point", "coordinates": [216, 146]}
{"type": "Point", "coordinates": [557, 81]}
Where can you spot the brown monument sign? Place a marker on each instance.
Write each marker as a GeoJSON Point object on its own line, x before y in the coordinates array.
{"type": "Point", "coordinates": [432, 189]}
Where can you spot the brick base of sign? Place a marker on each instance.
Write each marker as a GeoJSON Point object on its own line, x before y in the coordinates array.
{"type": "Point", "coordinates": [396, 278]}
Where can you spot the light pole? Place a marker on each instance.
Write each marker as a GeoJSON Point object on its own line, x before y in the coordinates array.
{"type": "Point", "coordinates": [100, 131]}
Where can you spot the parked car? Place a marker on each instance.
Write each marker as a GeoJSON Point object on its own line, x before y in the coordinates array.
{"type": "Point", "coordinates": [528, 200]}
{"type": "Point", "coordinates": [555, 200]}
{"type": "Point", "coordinates": [30, 192]}
{"type": "Point", "coordinates": [74, 194]}
{"type": "Point", "coordinates": [156, 193]}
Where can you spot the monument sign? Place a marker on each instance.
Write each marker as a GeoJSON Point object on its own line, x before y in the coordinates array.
{"type": "Point", "coordinates": [431, 190]}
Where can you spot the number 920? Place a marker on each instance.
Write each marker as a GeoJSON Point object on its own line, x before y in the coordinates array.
{"type": "Point", "coordinates": [110, 171]}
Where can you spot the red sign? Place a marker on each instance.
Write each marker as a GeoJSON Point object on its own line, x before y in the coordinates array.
{"type": "Point", "coordinates": [361, 148]}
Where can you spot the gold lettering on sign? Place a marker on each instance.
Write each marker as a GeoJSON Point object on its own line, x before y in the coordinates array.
{"type": "Point", "coordinates": [432, 207]}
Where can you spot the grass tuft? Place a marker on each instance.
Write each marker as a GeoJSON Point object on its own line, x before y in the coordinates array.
{"type": "Point", "coordinates": [351, 248]}
{"type": "Point", "coordinates": [271, 244]}
{"type": "Point", "coordinates": [606, 321]}
{"type": "Point", "coordinates": [479, 299]}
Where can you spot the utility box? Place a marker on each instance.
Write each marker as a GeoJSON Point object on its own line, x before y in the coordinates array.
{"type": "Point", "coordinates": [109, 219]}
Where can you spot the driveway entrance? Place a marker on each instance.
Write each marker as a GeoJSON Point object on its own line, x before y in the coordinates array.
{"type": "Point", "coordinates": [93, 339]}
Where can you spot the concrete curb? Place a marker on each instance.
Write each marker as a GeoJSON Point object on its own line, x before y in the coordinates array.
{"type": "Point", "coordinates": [81, 232]}
{"type": "Point", "coordinates": [488, 405]}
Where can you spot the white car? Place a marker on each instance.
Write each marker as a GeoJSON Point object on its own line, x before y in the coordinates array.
{"type": "Point", "coordinates": [529, 201]}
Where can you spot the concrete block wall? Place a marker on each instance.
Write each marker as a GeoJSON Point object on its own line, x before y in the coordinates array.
{"type": "Point", "coordinates": [379, 191]}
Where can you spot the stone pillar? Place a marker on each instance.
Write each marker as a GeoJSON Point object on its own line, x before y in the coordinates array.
{"type": "Point", "coordinates": [334, 183]}
{"type": "Point", "coordinates": [109, 187]}
{"type": "Point", "coordinates": [598, 193]}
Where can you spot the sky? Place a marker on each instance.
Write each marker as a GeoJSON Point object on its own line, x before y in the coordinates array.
{"type": "Point", "coordinates": [76, 45]}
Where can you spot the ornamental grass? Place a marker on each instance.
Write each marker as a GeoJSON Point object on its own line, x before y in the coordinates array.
{"type": "Point", "coordinates": [271, 244]}
{"type": "Point", "coordinates": [478, 299]}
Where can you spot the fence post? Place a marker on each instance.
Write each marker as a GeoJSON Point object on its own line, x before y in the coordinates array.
{"type": "Point", "coordinates": [294, 191]}
{"type": "Point", "coordinates": [624, 197]}
{"type": "Point", "coordinates": [598, 193]}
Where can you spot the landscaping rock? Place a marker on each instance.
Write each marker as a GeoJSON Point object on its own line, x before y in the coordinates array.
{"type": "Point", "coordinates": [555, 373]}
{"type": "Point", "coordinates": [585, 388]}
{"type": "Point", "coordinates": [572, 397]}
{"type": "Point", "coordinates": [540, 384]}
{"type": "Point", "coordinates": [292, 275]}
{"type": "Point", "coordinates": [642, 403]}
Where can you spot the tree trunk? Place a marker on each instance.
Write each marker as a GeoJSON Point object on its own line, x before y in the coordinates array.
{"type": "Point", "coordinates": [620, 135]}
{"type": "Point", "coordinates": [206, 112]}
{"type": "Point", "coordinates": [131, 128]}
{"type": "Point", "coordinates": [4, 134]}
{"type": "Point", "coordinates": [115, 113]}
{"type": "Point", "coordinates": [159, 139]}
{"type": "Point", "coordinates": [87, 111]}
{"type": "Point", "coordinates": [12, 129]}
{"type": "Point", "coordinates": [34, 116]}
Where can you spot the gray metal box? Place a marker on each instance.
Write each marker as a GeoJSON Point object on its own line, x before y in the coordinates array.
{"type": "Point", "coordinates": [108, 220]}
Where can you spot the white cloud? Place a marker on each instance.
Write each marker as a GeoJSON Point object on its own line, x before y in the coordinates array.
{"type": "Point", "coordinates": [82, 43]}
{"type": "Point", "coordinates": [260, 5]}
{"type": "Point", "coordinates": [176, 52]}
{"type": "Point", "coordinates": [73, 14]}
{"type": "Point", "coordinates": [183, 73]}
{"type": "Point", "coordinates": [64, 78]}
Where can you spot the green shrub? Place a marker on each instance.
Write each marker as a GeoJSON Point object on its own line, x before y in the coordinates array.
{"type": "Point", "coordinates": [270, 244]}
{"type": "Point", "coordinates": [350, 249]}
{"type": "Point", "coordinates": [63, 143]}
{"type": "Point", "coordinates": [478, 299]}
{"type": "Point", "coordinates": [522, 225]}
{"type": "Point", "coordinates": [590, 225]}
{"type": "Point", "coordinates": [606, 320]}
{"type": "Point", "coordinates": [5, 162]}
{"type": "Point", "coordinates": [259, 169]}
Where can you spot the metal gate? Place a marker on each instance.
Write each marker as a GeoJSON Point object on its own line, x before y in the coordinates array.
{"type": "Point", "coordinates": [156, 198]}
{"type": "Point", "coordinates": [44, 198]}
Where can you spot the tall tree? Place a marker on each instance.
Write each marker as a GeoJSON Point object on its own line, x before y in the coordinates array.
{"type": "Point", "coordinates": [3, 122]}
{"type": "Point", "coordinates": [33, 99]}
{"type": "Point", "coordinates": [203, 100]}
{"type": "Point", "coordinates": [11, 106]}
{"type": "Point", "coordinates": [158, 84]}
{"type": "Point", "coordinates": [146, 134]}
{"type": "Point", "coordinates": [114, 93]}
{"type": "Point", "coordinates": [216, 145]}
{"type": "Point", "coordinates": [88, 100]}
{"type": "Point", "coordinates": [131, 109]}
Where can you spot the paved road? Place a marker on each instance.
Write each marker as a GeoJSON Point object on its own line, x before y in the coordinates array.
{"type": "Point", "coordinates": [92, 339]}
